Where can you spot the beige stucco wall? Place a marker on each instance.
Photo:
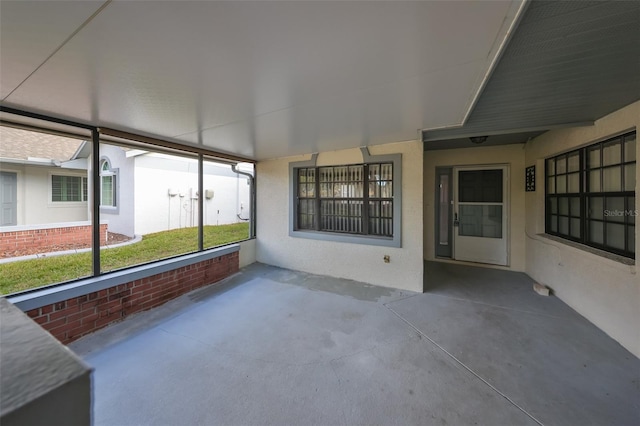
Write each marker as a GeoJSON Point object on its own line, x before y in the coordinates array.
{"type": "Point", "coordinates": [247, 252]}
{"type": "Point", "coordinates": [513, 155]}
{"type": "Point", "coordinates": [34, 205]}
{"type": "Point", "coordinates": [359, 262]}
{"type": "Point", "coordinates": [605, 291]}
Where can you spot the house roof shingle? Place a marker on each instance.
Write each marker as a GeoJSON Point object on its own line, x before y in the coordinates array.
{"type": "Point", "coordinates": [22, 144]}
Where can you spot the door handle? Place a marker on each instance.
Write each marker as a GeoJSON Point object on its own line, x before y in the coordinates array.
{"type": "Point", "coordinates": [456, 222]}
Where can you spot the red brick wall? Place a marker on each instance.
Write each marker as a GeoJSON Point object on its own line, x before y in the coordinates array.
{"type": "Point", "coordinates": [76, 317]}
{"type": "Point", "coordinates": [49, 239]}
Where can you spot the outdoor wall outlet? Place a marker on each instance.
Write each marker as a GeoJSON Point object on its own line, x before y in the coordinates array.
{"type": "Point", "coordinates": [387, 258]}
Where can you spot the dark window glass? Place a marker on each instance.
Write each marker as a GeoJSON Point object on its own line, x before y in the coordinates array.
{"type": "Point", "coordinates": [480, 186]}
{"type": "Point", "coordinates": [590, 195]}
{"type": "Point", "coordinates": [67, 188]}
{"type": "Point", "coordinates": [354, 199]}
{"type": "Point", "coordinates": [306, 198]}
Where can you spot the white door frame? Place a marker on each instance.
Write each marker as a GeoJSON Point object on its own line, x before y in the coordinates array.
{"type": "Point", "coordinates": [479, 241]}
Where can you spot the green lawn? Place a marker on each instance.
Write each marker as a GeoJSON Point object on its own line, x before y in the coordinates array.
{"type": "Point", "coordinates": [19, 276]}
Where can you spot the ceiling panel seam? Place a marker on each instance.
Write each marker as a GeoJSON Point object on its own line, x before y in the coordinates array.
{"type": "Point", "coordinates": [57, 49]}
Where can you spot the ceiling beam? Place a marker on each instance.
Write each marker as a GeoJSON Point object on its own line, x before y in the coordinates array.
{"type": "Point", "coordinates": [173, 145]}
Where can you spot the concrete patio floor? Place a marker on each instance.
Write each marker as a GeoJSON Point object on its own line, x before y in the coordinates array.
{"type": "Point", "coordinates": [273, 346]}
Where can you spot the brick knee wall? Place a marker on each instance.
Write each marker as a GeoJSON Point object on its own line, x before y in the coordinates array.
{"type": "Point", "coordinates": [49, 239]}
{"type": "Point", "coordinates": [76, 317]}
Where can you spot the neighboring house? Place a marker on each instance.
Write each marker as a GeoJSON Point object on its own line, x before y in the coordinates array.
{"type": "Point", "coordinates": [43, 177]}
{"type": "Point", "coordinates": [161, 192]}
{"type": "Point", "coordinates": [45, 180]}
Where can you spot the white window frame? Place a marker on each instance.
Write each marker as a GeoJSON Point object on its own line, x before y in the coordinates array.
{"type": "Point", "coordinates": [113, 174]}
{"type": "Point", "coordinates": [84, 183]}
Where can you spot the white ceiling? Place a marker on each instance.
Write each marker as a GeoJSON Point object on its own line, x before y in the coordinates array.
{"type": "Point", "coordinates": [257, 79]}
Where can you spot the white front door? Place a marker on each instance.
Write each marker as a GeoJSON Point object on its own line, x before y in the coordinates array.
{"type": "Point", "coordinates": [480, 214]}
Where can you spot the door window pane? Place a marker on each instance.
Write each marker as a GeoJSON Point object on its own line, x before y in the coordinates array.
{"type": "Point", "coordinates": [631, 233]}
{"type": "Point", "coordinates": [492, 222]}
{"type": "Point", "coordinates": [481, 221]}
{"type": "Point", "coordinates": [551, 185]}
{"type": "Point", "coordinates": [477, 186]}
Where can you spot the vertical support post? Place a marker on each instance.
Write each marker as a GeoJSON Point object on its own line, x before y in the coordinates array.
{"type": "Point", "coordinates": [95, 194]}
{"type": "Point", "coordinates": [200, 202]}
{"type": "Point", "coordinates": [252, 190]}
{"type": "Point", "coordinates": [365, 198]}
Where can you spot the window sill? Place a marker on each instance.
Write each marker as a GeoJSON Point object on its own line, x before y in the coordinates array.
{"type": "Point", "coordinates": [601, 253]}
{"type": "Point", "coordinates": [347, 238]}
{"type": "Point", "coordinates": [110, 209]}
{"type": "Point", "coordinates": [66, 204]}
{"type": "Point", "coordinates": [53, 294]}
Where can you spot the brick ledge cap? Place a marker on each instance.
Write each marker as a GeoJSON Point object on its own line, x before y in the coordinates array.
{"type": "Point", "coordinates": [48, 295]}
